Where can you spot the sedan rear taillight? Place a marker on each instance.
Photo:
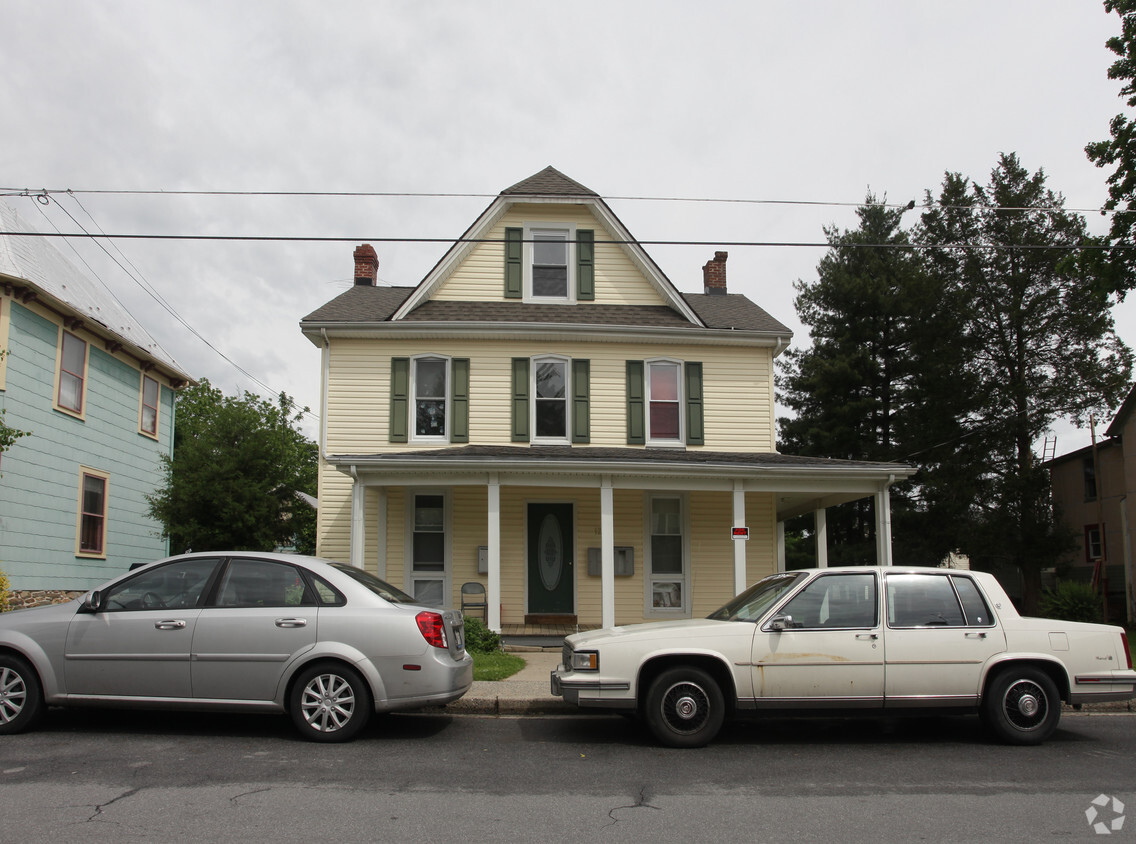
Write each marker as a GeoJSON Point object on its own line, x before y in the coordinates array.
{"type": "Point", "coordinates": [1127, 650]}
{"type": "Point", "coordinates": [433, 629]}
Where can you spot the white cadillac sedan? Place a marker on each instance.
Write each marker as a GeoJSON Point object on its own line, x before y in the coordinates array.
{"type": "Point", "coordinates": [870, 639]}
{"type": "Point", "coordinates": [239, 631]}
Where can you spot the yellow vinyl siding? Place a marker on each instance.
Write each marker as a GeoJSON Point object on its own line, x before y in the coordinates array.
{"type": "Point", "coordinates": [736, 387]}
{"type": "Point", "coordinates": [480, 277]}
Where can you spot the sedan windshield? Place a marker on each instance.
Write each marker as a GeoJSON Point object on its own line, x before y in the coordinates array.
{"type": "Point", "coordinates": [753, 603]}
{"type": "Point", "coordinates": [380, 587]}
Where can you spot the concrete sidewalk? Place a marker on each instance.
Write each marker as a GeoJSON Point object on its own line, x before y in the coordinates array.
{"type": "Point", "coordinates": [528, 692]}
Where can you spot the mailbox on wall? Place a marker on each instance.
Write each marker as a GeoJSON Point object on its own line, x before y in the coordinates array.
{"type": "Point", "coordinates": [624, 561]}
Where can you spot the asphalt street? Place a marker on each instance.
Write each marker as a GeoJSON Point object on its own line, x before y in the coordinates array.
{"type": "Point", "coordinates": [117, 776]}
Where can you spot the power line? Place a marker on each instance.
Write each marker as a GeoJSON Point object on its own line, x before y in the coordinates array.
{"type": "Point", "coordinates": [819, 244]}
{"type": "Point", "coordinates": [13, 191]}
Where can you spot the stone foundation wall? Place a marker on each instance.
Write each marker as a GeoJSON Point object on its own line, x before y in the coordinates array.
{"type": "Point", "coordinates": [19, 599]}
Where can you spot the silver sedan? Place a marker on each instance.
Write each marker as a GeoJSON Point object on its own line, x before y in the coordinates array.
{"type": "Point", "coordinates": [325, 642]}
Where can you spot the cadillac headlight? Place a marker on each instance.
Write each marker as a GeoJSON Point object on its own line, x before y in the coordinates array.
{"type": "Point", "coordinates": [584, 661]}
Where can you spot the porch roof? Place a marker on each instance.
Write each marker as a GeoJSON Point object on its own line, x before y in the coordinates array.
{"type": "Point", "coordinates": [801, 484]}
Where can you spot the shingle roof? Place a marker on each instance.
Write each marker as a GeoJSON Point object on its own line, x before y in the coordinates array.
{"type": "Point", "coordinates": [35, 260]}
{"type": "Point", "coordinates": [588, 455]}
{"type": "Point", "coordinates": [548, 182]}
{"type": "Point", "coordinates": [362, 303]}
{"type": "Point", "coordinates": [734, 311]}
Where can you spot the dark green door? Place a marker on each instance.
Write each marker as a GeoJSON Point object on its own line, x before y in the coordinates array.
{"type": "Point", "coordinates": [550, 558]}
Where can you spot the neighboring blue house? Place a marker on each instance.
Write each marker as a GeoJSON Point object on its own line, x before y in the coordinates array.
{"type": "Point", "coordinates": [97, 394]}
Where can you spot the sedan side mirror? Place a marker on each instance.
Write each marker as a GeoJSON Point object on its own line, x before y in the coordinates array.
{"type": "Point", "coordinates": [92, 602]}
{"type": "Point", "coordinates": [780, 622]}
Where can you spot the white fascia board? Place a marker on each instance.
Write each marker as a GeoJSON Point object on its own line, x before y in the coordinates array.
{"type": "Point", "coordinates": [545, 331]}
{"type": "Point", "coordinates": [453, 258]}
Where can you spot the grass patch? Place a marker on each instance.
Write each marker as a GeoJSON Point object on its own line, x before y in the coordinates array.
{"type": "Point", "coordinates": [496, 666]}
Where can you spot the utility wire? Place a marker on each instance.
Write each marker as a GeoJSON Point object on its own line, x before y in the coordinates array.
{"type": "Point", "coordinates": [13, 191]}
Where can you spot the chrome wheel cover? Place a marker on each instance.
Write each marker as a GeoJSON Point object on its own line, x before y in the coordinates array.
{"type": "Point", "coordinates": [1025, 705]}
{"type": "Point", "coordinates": [13, 695]}
{"type": "Point", "coordinates": [328, 703]}
{"type": "Point", "coordinates": [685, 707]}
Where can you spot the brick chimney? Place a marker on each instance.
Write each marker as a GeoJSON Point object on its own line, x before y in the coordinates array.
{"type": "Point", "coordinates": [367, 265]}
{"type": "Point", "coordinates": [714, 274]}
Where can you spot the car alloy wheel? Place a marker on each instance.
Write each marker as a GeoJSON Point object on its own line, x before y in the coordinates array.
{"type": "Point", "coordinates": [21, 700]}
{"type": "Point", "coordinates": [330, 703]}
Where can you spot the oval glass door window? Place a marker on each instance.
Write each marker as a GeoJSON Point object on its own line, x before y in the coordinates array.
{"type": "Point", "coordinates": [551, 549]}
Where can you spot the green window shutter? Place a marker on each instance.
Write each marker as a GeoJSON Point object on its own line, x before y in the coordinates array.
{"type": "Point", "coordinates": [695, 435]}
{"type": "Point", "coordinates": [400, 400]}
{"type": "Point", "coordinates": [585, 265]}
{"type": "Point", "coordinates": [581, 393]}
{"type": "Point", "coordinates": [459, 400]}
{"type": "Point", "coordinates": [514, 267]}
{"type": "Point", "coordinates": [636, 409]}
{"type": "Point", "coordinates": [520, 400]}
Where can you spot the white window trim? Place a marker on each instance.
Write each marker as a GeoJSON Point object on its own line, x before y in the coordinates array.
{"type": "Point", "coordinates": [649, 610]}
{"type": "Point", "coordinates": [412, 422]}
{"type": "Point", "coordinates": [531, 229]}
{"type": "Point", "coordinates": [445, 575]}
{"type": "Point", "coordinates": [681, 440]}
{"type": "Point", "coordinates": [533, 364]}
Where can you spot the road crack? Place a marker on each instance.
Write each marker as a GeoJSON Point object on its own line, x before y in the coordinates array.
{"type": "Point", "coordinates": [99, 807]}
{"type": "Point", "coordinates": [641, 802]}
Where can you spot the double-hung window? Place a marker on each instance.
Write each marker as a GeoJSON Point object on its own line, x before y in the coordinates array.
{"type": "Point", "coordinates": [91, 541]}
{"type": "Point", "coordinates": [431, 376]}
{"type": "Point", "coordinates": [549, 273]}
{"type": "Point", "coordinates": [429, 400]}
{"type": "Point", "coordinates": [428, 548]}
{"type": "Point", "coordinates": [1094, 543]}
{"type": "Point", "coordinates": [667, 577]}
{"type": "Point", "coordinates": [148, 417]}
{"type": "Point", "coordinates": [664, 401]}
{"type": "Point", "coordinates": [550, 399]}
{"type": "Point", "coordinates": [72, 372]}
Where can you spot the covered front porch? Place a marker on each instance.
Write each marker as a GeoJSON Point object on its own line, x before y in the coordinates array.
{"type": "Point", "coordinates": [726, 529]}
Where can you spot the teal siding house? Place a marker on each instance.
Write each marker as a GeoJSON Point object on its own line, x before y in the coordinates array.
{"type": "Point", "coordinates": [96, 393]}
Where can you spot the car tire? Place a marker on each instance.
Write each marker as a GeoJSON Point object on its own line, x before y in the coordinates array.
{"type": "Point", "coordinates": [21, 697]}
{"type": "Point", "coordinates": [685, 707]}
{"type": "Point", "coordinates": [1022, 705]}
{"type": "Point", "coordinates": [330, 703]}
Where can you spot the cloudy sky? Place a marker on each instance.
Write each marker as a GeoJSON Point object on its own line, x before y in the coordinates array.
{"type": "Point", "coordinates": [810, 105]}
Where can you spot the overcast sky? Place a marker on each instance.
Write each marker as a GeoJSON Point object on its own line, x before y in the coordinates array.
{"type": "Point", "coordinates": [806, 102]}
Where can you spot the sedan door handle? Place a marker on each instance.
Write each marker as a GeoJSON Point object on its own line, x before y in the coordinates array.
{"type": "Point", "coordinates": [169, 625]}
{"type": "Point", "coordinates": [291, 622]}
{"type": "Point", "coordinates": [867, 636]}
{"type": "Point", "coordinates": [976, 635]}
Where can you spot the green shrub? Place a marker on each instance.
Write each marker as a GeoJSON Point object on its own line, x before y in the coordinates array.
{"type": "Point", "coordinates": [479, 639]}
{"type": "Point", "coordinates": [1072, 601]}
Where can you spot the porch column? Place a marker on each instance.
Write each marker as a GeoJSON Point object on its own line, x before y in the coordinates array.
{"type": "Point", "coordinates": [494, 531]}
{"type": "Point", "coordinates": [739, 544]}
{"type": "Point", "coordinates": [780, 546]}
{"type": "Point", "coordinates": [883, 525]}
{"type": "Point", "coordinates": [607, 553]}
{"type": "Point", "coordinates": [820, 515]}
{"type": "Point", "coordinates": [381, 528]}
{"type": "Point", "coordinates": [358, 520]}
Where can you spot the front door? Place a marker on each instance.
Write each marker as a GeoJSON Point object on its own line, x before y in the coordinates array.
{"type": "Point", "coordinates": [550, 558]}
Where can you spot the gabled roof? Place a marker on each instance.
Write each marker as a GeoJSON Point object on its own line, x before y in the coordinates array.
{"type": "Point", "coordinates": [1122, 415]}
{"type": "Point", "coordinates": [548, 182]}
{"type": "Point", "coordinates": [56, 282]}
{"type": "Point", "coordinates": [550, 186]}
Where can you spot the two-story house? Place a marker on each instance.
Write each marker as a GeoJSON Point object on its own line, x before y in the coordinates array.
{"type": "Point", "coordinates": [1090, 493]}
{"type": "Point", "coordinates": [547, 414]}
{"type": "Point", "coordinates": [96, 393]}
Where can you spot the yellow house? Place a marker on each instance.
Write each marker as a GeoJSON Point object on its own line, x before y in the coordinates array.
{"type": "Point", "coordinates": [547, 415]}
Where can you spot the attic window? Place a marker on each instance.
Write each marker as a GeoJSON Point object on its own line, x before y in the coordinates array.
{"type": "Point", "coordinates": [550, 265]}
